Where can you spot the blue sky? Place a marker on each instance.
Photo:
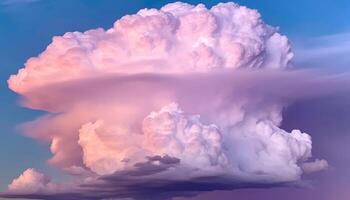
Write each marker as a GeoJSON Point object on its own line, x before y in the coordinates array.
{"type": "Point", "coordinates": [26, 28]}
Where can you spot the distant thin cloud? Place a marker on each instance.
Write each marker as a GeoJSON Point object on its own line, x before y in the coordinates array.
{"type": "Point", "coordinates": [12, 2]}
{"type": "Point", "coordinates": [326, 51]}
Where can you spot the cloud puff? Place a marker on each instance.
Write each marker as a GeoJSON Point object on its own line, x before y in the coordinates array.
{"type": "Point", "coordinates": [30, 181]}
{"type": "Point", "coordinates": [170, 132]}
{"type": "Point", "coordinates": [315, 166]}
{"type": "Point", "coordinates": [159, 105]}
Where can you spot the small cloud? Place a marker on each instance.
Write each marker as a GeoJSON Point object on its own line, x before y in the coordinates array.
{"type": "Point", "coordinates": [30, 181]}
{"type": "Point", "coordinates": [317, 165]}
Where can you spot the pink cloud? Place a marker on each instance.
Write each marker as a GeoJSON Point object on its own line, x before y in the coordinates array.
{"type": "Point", "coordinates": [180, 95]}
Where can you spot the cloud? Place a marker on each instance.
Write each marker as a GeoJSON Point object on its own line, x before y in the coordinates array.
{"type": "Point", "coordinates": [168, 103]}
{"type": "Point", "coordinates": [317, 165]}
{"type": "Point", "coordinates": [14, 2]}
{"type": "Point", "coordinates": [179, 38]}
{"type": "Point", "coordinates": [30, 181]}
{"type": "Point", "coordinates": [324, 51]}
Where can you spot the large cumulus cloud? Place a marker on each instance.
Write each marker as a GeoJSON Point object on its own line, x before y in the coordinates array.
{"type": "Point", "coordinates": [177, 38]}
{"type": "Point", "coordinates": [167, 102]}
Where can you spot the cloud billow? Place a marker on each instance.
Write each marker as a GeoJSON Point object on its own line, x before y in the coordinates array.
{"type": "Point", "coordinates": [166, 103]}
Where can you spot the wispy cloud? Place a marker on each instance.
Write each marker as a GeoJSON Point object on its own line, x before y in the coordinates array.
{"type": "Point", "coordinates": [13, 2]}
{"type": "Point", "coordinates": [325, 51]}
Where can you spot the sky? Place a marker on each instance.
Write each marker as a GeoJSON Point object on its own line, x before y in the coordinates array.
{"type": "Point", "coordinates": [318, 31]}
